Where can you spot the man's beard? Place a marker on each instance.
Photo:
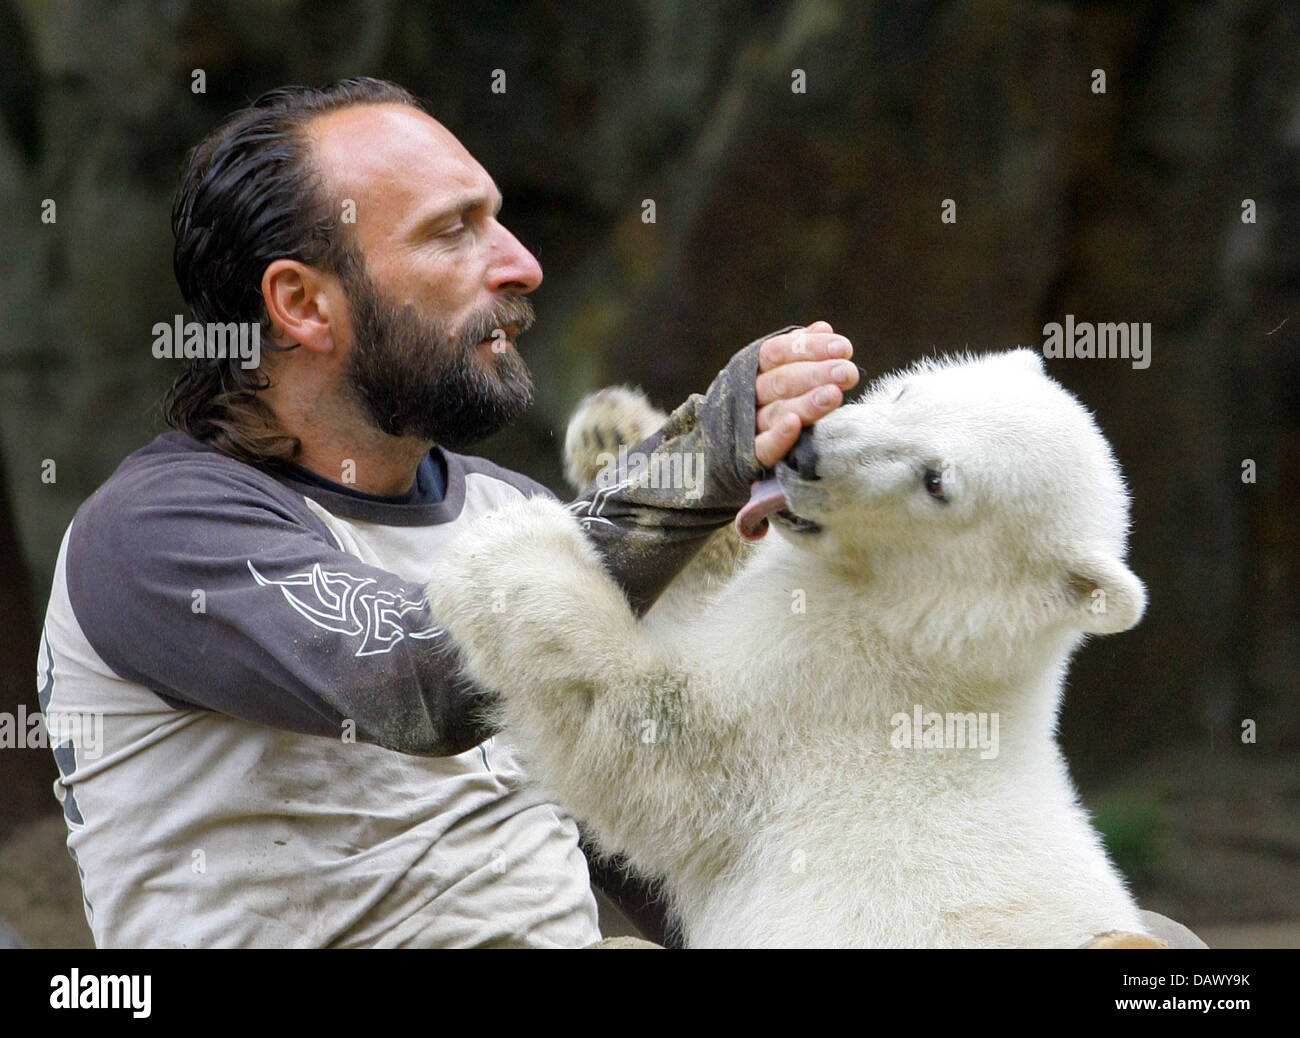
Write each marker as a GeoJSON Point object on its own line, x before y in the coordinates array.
{"type": "Point", "coordinates": [414, 378]}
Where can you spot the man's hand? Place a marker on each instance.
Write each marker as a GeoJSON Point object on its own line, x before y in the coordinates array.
{"type": "Point", "coordinates": [802, 376]}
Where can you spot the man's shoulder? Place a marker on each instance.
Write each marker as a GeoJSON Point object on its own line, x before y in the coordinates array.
{"type": "Point", "coordinates": [474, 466]}
{"type": "Point", "coordinates": [176, 462]}
{"type": "Point", "coordinates": [178, 476]}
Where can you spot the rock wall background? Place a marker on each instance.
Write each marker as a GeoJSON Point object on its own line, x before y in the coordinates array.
{"type": "Point", "coordinates": [772, 207]}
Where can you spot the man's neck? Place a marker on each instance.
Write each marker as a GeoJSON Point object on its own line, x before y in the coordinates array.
{"type": "Point", "coordinates": [339, 443]}
{"type": "Point", "coordinates": [341, 446]}
{"type": "Point", "coordinates": [386, 469]}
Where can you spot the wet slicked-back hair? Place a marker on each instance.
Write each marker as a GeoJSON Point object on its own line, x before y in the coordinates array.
{"type": "Point", "coordinates": [250, 194]}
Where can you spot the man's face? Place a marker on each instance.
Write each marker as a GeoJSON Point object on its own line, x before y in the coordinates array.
{"type": "Point", "coordinates": [435, 315]}
{"type": "Point", "coordinates": [413, 377]}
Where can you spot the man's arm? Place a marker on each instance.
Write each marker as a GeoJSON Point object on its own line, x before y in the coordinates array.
{"type": "Point", "coordinates": [691, 477]}
{"type": "Point", "coordinates": [217, 588]}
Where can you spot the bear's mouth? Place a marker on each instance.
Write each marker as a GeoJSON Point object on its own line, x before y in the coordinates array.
{"type": "Point", "coordinates": [767, 501]}
{"type": "Point", "coordinates": [796, 523]}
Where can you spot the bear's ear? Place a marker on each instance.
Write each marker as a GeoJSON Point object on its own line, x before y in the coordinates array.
{"type": "Point", "coordinates": [1031, 360]}
{"type": "Point", "coordinates": [1102, 595]}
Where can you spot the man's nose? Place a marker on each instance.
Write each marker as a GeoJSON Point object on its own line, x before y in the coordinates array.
{"type": "Point", "coordinates": [513, 267]}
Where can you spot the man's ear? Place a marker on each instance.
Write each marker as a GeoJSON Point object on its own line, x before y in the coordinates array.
{"type": "Point", "coordinates": [1102, 595]}
{"type": "Point", "coordinates": [300, 301]}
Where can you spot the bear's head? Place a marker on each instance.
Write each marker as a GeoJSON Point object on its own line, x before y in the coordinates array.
{"type": "Point", "coordinates": [977, 486]}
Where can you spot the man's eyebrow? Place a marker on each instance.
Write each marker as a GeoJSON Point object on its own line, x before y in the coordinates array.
{"type": "Point", "coordinates": [462, 206]}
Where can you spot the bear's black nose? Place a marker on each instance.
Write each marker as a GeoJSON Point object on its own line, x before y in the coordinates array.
{"type": "Point", "coordinates": [803, 456]}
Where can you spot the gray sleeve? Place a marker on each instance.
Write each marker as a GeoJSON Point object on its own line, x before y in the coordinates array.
{"type": "Point", "coordinates": [649, 520]}
{"type": "Point", "coordinates": [217, 588]}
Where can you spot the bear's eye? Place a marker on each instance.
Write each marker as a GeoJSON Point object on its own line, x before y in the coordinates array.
{"type": "Point", "coordinates": [934, 485]}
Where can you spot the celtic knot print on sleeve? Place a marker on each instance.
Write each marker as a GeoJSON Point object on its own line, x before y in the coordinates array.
{"type": "Point", "coordinates": [348, 604]}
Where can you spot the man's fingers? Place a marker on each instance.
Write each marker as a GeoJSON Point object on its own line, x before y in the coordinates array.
{"type": "Point", "coordinates": [802, 377]}
{"type": "Point", "coordinates": [774, 444]}
{"type": "Point", "coordinates": [810, 407]}
{"type": "Point", "coordinates": [792, 380]}
{"type": "Point", "coordinates": [816, 342]}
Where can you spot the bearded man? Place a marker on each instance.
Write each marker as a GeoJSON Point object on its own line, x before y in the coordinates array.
{"type": "Point", "coordinates": [289, 756]}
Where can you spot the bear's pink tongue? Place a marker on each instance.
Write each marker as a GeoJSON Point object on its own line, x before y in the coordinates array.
{"type": "Point", "coordinates": [765, 497]}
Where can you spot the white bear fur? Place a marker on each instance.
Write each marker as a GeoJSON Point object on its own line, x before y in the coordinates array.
{"type": "Point", "coordinates": [740, 750]}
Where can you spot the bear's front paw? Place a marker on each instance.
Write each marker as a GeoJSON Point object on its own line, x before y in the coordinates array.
{"type": "Point", "coordinates": [495, 543]}
{"type": "Point", "coordinates": [515, 577]}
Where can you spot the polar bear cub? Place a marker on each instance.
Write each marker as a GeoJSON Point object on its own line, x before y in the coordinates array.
{"type": "Point", "coordinates": [851, 741]}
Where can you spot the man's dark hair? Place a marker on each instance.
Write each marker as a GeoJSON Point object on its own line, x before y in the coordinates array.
{"type": "Point", "coordinates": [251, 194]}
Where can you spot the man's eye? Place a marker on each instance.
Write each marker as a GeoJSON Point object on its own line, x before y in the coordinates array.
{"type": "Point", "coordinates": [453, 232]}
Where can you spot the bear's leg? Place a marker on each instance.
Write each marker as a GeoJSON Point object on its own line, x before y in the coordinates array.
{"type": "Point", "coordinates": [604, 715]}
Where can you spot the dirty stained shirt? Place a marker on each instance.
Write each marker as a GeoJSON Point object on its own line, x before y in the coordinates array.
{"type": "Point", "coordinates": [262, 734]}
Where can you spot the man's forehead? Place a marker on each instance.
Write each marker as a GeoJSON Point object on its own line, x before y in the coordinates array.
{"type": "Point", "coordinates": [396, 155]}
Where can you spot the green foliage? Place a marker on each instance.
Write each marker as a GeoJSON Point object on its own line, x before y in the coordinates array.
{"type": "Point", "coordinates": [1133, 826]}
